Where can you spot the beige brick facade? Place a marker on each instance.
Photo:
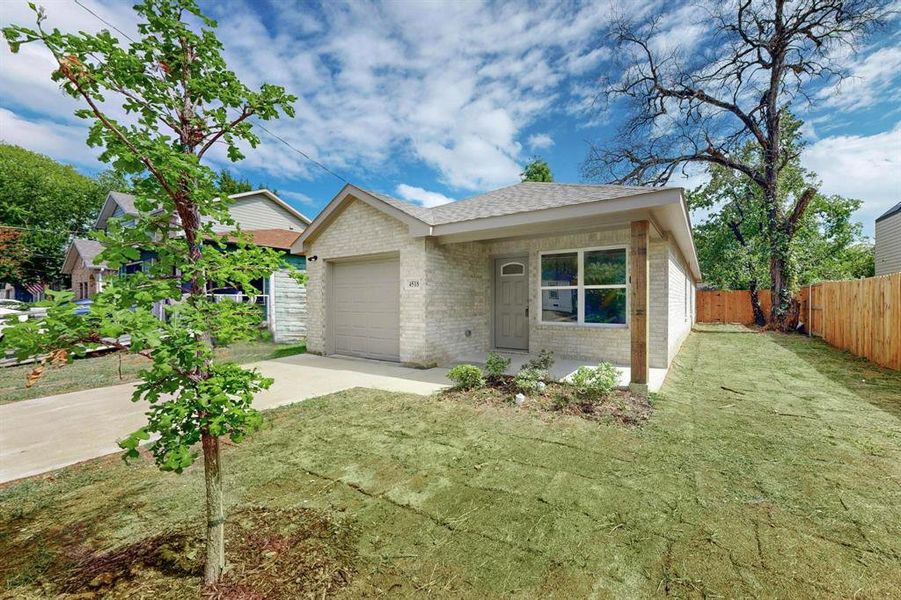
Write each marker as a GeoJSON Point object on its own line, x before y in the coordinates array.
{"type": "Point", "coordinates": [448, 315]}
{"type": "Point", "coordinates": [87, 281]}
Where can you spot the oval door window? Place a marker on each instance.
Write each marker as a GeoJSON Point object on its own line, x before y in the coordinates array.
{"type": "Point", "coordinates": [513, 268]}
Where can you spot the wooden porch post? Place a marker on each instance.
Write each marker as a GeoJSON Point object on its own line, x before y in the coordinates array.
{"type": "Point", "coordinates": [638, 302]}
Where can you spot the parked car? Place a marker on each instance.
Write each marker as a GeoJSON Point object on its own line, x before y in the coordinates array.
{"type": "Point", "coordinates": [11, 310]}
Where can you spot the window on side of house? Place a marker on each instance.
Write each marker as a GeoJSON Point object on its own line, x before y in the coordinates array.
{"type": "Point", "coordinates": [588, 287]}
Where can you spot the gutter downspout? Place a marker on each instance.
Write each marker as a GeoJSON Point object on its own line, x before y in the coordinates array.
{"type": "Point", "coordinates": [271, 306]}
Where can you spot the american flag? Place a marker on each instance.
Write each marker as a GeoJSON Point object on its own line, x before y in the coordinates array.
{"type": "Point", "coordinates": [35, 289]}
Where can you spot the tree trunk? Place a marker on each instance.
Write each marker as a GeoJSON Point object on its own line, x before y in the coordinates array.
{"type": "Point", "coordinates": [759, 315]}
{"type": "Point", "coordinates": [780, 307]}
{"type": "Point", "coordinates": [215, 513]}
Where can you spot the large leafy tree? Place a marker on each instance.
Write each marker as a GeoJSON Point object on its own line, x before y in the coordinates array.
{"type": "Point", "coordinates": [537, 169]}
{"type": "Point", "coordinates": [705, 107]}
{"type": "Point", "coordinates": [43, 204]}
{"type": "Point", "coordinates": [179, 100]}
{"type": "Point", "coordinates": [733, 244]}
{"type": "Point", "coordinates": [229, 184]}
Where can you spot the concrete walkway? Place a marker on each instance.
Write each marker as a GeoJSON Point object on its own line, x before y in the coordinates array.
{"type": "Point", "coordinates": [44, 434]}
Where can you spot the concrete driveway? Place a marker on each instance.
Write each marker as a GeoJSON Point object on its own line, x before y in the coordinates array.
{"type": "Point", "coordinates": [48, 433]}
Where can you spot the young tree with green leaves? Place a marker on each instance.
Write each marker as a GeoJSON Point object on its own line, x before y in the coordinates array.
{"type": "Point", "coordinates": [181, 100]}
{"type": "Point", "coordinates": [733, 243]}
{"type": "Point", "coordinates": [537, 169]}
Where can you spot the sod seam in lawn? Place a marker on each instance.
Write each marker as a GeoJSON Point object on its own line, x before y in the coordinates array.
{"type": "Point", "coordinates": [770, 467]}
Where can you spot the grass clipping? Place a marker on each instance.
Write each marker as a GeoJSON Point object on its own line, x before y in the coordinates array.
{"type": "Point", "coordinates": [620, 407]}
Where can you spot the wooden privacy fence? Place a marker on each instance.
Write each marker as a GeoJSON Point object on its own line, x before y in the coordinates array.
{"type": "Point", "coordinates": [862, 316]}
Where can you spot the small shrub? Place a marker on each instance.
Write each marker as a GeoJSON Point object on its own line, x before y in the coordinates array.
{"type": "Point", "coordinates": [496, 365]}
{"type": "Point", "coordinates": [466, 377]}
{"type": "Point", "coordinates": [595, 383]}
{"type": "Point", "coordinates": [527, 379]}
{"type": "Point", "coordinates": [543, 362]}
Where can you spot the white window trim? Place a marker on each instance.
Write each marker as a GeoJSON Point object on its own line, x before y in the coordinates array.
{"type": "Point", "coordinates": [580, 288]}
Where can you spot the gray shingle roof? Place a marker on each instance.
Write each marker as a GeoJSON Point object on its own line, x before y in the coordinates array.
{"type": "Point", "coordinates": [88, 250]}
{"type": "Point", "coordinates": [521, 197]}
{"type": "Point", "coordinates": [125, 201]}
{"type": "Point", "coordinates": [892, 211]}
{"type": "Point", "coordinates": [414, 210]}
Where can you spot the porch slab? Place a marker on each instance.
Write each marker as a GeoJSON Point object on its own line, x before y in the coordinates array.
{"type": "Point", "coordinates": [564, 367]}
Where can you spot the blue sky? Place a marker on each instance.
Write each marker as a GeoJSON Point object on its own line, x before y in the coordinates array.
{"type": "Point", "coordinates": [437, 101]}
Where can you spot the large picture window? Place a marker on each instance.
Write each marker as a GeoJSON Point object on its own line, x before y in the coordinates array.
{"type": "Point", "coordinates": [584, 286]}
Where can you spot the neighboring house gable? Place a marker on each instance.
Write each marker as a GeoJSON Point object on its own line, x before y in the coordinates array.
{"type": "Point", "coordinates": [261, 209]}
{"type": "Point", "coordinates": [263, 216]}
{"type": "Point", "coordinates": [118, 205]}
{"type": "Point", "coordinates": [888, 241]}
{"type": "Point", "coordinates": [82, 266]}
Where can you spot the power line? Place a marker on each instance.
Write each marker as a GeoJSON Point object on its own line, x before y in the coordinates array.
{"type": "Point", "coordinates": [257, 122]}
{"type": "Point", "coordinates": [102, 20]}
{"type": "Point", "coordinates": [302, 153]}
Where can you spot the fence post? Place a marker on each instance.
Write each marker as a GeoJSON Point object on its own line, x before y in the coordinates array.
{"type": "Point", "coordinates": [809, 309]}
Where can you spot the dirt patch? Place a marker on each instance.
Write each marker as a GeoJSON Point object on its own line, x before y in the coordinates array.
{"type": "Point", "coordinates": [297, 553]}
{"type": "Point", "coordinates": [620, 407]}
{"type": "Point", "coordinates": [272, 554]}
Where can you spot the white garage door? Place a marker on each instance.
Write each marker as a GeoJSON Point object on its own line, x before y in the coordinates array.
{"type": "Point", "coordinates": [366, 308]}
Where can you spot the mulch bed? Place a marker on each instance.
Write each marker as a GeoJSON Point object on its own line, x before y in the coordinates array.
{"type": "Point", "coordinates": [620, 407]}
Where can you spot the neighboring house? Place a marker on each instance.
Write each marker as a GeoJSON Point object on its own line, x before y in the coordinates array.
{"type": "Point", "coordinates": [23, 292]}
{"type": "Point", "coordinates": [888, 241]}
{"type": "Point", "coordinates": [87, 273]}
{"type": "Point", "coordinates": [262, 215]}
{"type": "Point", "coordinates": [527, 267]}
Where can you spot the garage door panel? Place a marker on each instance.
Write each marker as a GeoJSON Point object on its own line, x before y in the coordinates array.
{"type": "Point", "coordinates": [366, 305]}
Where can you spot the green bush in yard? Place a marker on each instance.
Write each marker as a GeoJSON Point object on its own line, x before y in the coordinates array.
{"type": "Point", "coordinates": [528, 379]}
{"type": "Point", "coordinates": [496, 365]}
{"type": "Point", "coordinates": [595, 383]}
{"type": "Point", "coordinates": [466, 377]}
{"type": "Point", "coordinates": [543, 362]}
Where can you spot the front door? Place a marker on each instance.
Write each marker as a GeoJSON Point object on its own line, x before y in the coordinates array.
{"type": "Point", "coordinates": [511, 303]}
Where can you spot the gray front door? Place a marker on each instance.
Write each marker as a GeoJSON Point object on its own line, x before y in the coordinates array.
{"type": "Point", "coordinates": [511, 303]}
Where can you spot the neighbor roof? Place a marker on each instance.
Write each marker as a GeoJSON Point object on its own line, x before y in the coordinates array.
{"type": "Point", "coordinates": [892, 211]}
{"type": "Point", "coordinates": [88, 250]}
{"type": "Point", "coordinates": [273, 238]}
{"type": "Point", "coordinates": [125, 201]}
{"type": "Point", "coordinates": [85, 249]}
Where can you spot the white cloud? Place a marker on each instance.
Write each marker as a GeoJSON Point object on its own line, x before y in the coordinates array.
{"type": "Point", "coordinates": [421, 196]}
{"type": "Point", "coordinates": [872, 79]}
{"type": "Point", "coordinates": [62, 141]}
{"type": "Point", "coordinates": [863, 167]}
{"type": "Point", "coordinates": [452, 86]}
{"type": "Point", "coordinates": [297, 197]}
{"type": "Point", "coordinates": [540, 141]}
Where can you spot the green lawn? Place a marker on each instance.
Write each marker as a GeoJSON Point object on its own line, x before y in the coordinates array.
{"type": "Point", "coordinates": [103, 370]}
{"type": "Point", "coordinates": [771, 467]}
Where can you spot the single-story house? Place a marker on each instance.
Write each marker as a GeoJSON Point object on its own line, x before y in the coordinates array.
{"type": "Point", "coordinates": [263, 216]}
{"type": "Point", "coordinates": [888, 241]}
{"type": "Point", "coordinates": [591, 272]}
{"type": "Point", "coordinates": [87, 273]}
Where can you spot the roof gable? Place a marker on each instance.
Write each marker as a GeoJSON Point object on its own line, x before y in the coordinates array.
{"type": "Point", "coordinates": [896, 209]}
{"type": "Point", "coordinates": [402, 211]}
{"type": "Point", "coordinates": [115, 201]}
{"type": "Point", "coordinates": [85, 250]}
{"type": "Point", "coordinates": [275, 200]}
